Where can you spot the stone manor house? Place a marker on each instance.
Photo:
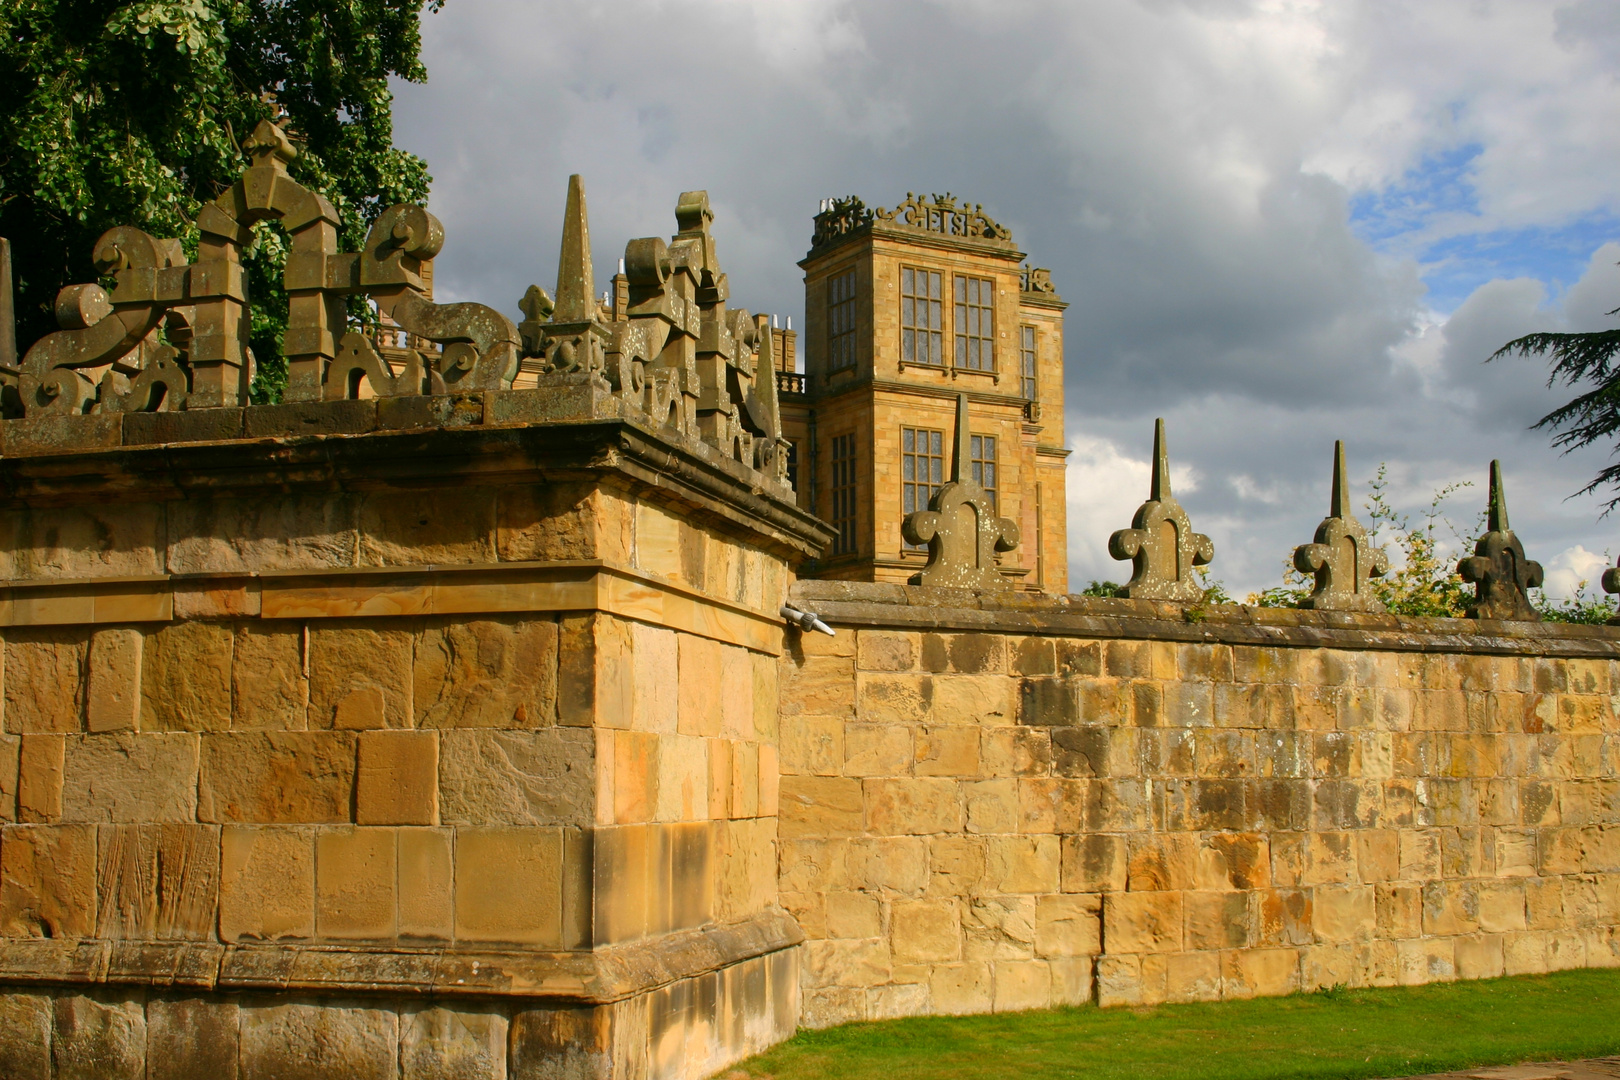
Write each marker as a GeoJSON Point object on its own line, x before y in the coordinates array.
{"type": "Point", "coordinates": [469, 712]}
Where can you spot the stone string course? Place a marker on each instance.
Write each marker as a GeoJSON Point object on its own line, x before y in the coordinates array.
{"type": "Point", "coordinates": [1101, 800]}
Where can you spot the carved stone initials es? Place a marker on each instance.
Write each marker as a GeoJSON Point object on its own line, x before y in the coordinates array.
{"type": "Point", "coordinates": [1161, 542]}
{"type": "Point", "coordinates": [960, 528]}
{"type": "Point", "coordinates": [1343, 556]}
{"type": "Point", "coordinates": [1501, 574]}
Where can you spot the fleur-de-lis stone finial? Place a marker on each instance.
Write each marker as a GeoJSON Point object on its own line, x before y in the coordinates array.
{"type": "Point", "coordinates": [1611, 584]}
{"type": "Point", "coordinates": [1343, 556]}
{"type": "Point", "coordinates": [1501, 574]}
{"type": "Point", "coordinates": [960, 526]}
{"type": "Point", "coordinates": [1161, 542]}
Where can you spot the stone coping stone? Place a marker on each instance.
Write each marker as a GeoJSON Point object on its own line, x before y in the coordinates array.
{"type": "Point", "coordinates": [911, 607]}
{"type": "Point", "coordinates": [606, 974]}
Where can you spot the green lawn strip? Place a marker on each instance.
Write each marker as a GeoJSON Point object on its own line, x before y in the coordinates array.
{"type": "Point", "coordinates": [1395, 1031]}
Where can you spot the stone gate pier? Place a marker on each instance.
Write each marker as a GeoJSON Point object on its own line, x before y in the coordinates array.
{"type": "Point", "coordinates": [423, 725]}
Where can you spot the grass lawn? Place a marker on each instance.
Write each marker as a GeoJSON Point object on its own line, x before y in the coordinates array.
{"type": "Point", "coordinates": [1396, 1031]}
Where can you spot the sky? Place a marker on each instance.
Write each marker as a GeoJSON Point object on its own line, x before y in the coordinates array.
{"type": "Point", "coordinates": [1276, 223]}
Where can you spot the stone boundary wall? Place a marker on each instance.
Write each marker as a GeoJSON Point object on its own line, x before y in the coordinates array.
{"type": "Point", "coordinates": [996, 804]}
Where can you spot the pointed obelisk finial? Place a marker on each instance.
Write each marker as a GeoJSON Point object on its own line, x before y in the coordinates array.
{"type": "Point", "coordinates": [8, 310]}
{"type": "Point", "coordinates": [1497, 515]}
{"type": "Point", "coordinates": [1339, 504]}
{"type": "Point", "coordinates": [576, 286]}
{"type": "Point", "coordinates": [1160, 489]}
{"type": "Point", "coordinates": [961, 464]}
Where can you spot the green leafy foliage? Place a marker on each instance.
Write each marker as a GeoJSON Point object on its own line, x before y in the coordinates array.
{"type": "Point", "coordinates": [1592, 360]}
{"type": "Point", "coordinates": [131, 113]}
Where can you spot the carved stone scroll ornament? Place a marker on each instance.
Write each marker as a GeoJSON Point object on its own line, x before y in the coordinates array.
{"type": "Point", "coordinates": [961, 529]}
{"type": "Point", "coordinates": [1161, 542]}
{"type": "Point", "coordinates": [1343, 556]}
{"type": "Point", "coordinates": [99, 330]}
{"type": "Point", "coordinates": [1501, 574]}
{"type": "Point", "coordinates": [941, 214]}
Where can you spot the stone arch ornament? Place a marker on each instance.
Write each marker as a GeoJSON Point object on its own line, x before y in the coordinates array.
{"type": "Point", "coordinates": [960, 527]}
{"type": "Point", "coordinates": [1161, 543]}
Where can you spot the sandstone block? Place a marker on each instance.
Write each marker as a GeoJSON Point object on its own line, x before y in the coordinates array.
{"type": "Point", "coordinates": [739, 704]}
{"type": "Point", "coordinates": [913, 806]}
{"type": "Point", "coordinates": [821, 806]}
{"type": "Point", "coordinates": [451, 1044]}
{"type": "Point", "coordinates": [767, 698]}
{"type": "Point", "coordinates": [877, 750]}
{"type": "Point", "coordinates": [992, 806]}
{"type": "Point", "coordinates": [1479, 957]}
{"type": "Point", "coordinates": [770, 780]}
{"type": "Point", "coordinates": [1259, 972]}
{"type": "Point", "coordinates": [595, 665]}
{"type": "Point", "coordinates": [925, 931]}
{"type": "Point", "coordinates": [487, 673]}
{"type": "Point", "coordinates": [1094, 862]}
{"type": "Point", "coordinates": [355, 895]}
{"type": "Point", "coordinates": [1068, 925]}
{"type": "Point", "coordinates": [45, 679]}
{"type": "Point", "coordinates": [742, 794]}
{"type": "Point", "coordinates": [1344, 913]}
{"type": "Point", "coordinates": [318, 1042]}
{"type": "Point", "coordinates": [1022, 984]}
{"type": "Point", "coordinates": [99, 1039]}
{"type": "Point", "coordinates": [10, 762]}
{"type": "Point", "coordinates": [959, 989]}
{"type": "Point", "coordinates": [426, 884]}
{"type": "Point", "coordinates": [1119, 982]}
{"type": "Point", "coordinates": [191, 1038]}
{"type": "Point", "coordinates": [509, 885]}
{"type": "Point", "coordinates": [879, 651]}
{"type": "Point", "coordinates": [517, 777]}
{"type": "Point", "coordinates": [1501, 907]}
{"type": "Point", "coordinates": [268, 688]}
{"type": "Point", "coordinates": [453, 525]}
{"type": "Point", "coordinates": [1023, 864]}
{"type": "Point", "coordinates": [656, 677]}
{"type": "Point", "coordinates": [157, 881]}
{"type": "Point", "coordinates": [150, 777]}
{"type": "Point", "coordinates": [948, 751]}
{"type": "Point", "coordinates": [359, 677]}
{"type": "Point", "coordinates": [39, 777]}
{"type": "Point", "coordinates": [267, 883]}
{"type": "Point", "coordinates": [852, 915]}
{"type": "Point", "coordinates": [572, 1044]}
{"type": "Point", "coordinates": [48, 881]}
{"type": "Point", "coordinates": [113, 680]}
{"type": "Point", "coordinates": [1142, 922]}
{"type": "Point", "coordinates": [817, 685]}
{"type": "Point", "coordinates": [698, 708]}
{"type": "Point", "coordinates": [561, 521]}
{"type": "Point", "coordinates": [635, 774]}
{"type": "Point", "coordinates": [277, 777]}
{"type": "Point", "coordinates": [813, 746]}
{"type": "Point", "coordinates": [186, 678]}
{"type": "Point", "coordinates": [1218, 920]}
{"type": "Point", "coordinates": [25, 1036]}
{"type": "Point", "coordinates": [397, 778]}
{"type": "Point", "coordinates": [278, 532]}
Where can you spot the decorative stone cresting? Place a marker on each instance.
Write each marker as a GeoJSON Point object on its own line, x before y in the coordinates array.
{"type": "Point", "coordinates": [960, 526]}
{"type": "Point", "coordinates": [943, 215]}
{"type": "Point", "coordinates": [1498, 568]}
{"type": "Point", "coordinates": [1160, 542]}
{"type": "Point", "coordinates": [1342, 556]}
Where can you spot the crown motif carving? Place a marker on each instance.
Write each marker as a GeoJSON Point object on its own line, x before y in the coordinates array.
{"type": "Point", "coordinates": [960, 526]}
{"type": "Point", "coordinates": [1161, 543]}
{"type": "Point", "coordinates": [1342, 557]}
{"type": "Point", "coordinates": [1501, 573]}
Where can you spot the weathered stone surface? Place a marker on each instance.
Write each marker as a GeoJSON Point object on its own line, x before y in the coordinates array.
{"type": "Point", "coordinates": [452, 1044]}
{"type": "Point", "coordinates": [186, 677]}
{"type": "Point", "coordinates": [266, 883]}
{"type": "Point", "coordinates": [517, 777]}
{"type": "Point", "coordinates": [25, 1036]}
{"type": "Point", "coordinates": [415, 527]}
{"type": "Point", "coordinates": [509, 885]}
{"type": "Point", "coordinates": [319, 1041]}
{"type": "Point", "coordinates": [191, 1038]}
{"type": "Point", "coordinates": [39, 777]}
{"type": "Point", "coordinates": [10, 763]}
{"type": "Point", "coordinates": [268, 688]}
{"type": "Point", "coordinates": [286, 777]}
{"type": "Point", "coordinates": [1503, 577]}
{"type": "Point", "coordinates": [48, 881]}
{"type": "Point", "coordinates": [426, 884]}
{"type": "Point", "coordinates": [157, 881]}
{"type": "Point", "coordinates": [44, 683]}
{"type": "Point", "coordinates": [112, 540]}
{"type": "Point", "coordinates": [99, 1039]}
{"type": "Point", "coordinates": [355, 895]}
{"type": "Point", "coordinates": [278, 532]}
{"type": "Point", "coordinates": [487, 673]}
{"type": "Point", "coordinates": [359, 677]}
{"type": "Point", "coordinates": [397, 782]}
{"type": "Point", "coordinates": [113, 680]}
{"type": "Point", "coordinates": [1342, 556]}
{"type": "Point", "coordinates": [128, 777]}
{"type": "Point", "coordinates": [569, 1044]}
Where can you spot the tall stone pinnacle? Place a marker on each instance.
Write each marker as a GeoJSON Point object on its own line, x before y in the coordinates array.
{"type": "Point", "coordinates": [8, 312]}
{"type": "Point", "coordinates": [1339, 504]}
{"type": "Point", "coordinates": [576, 285]}
{"type": "Point", "coordinates": [1496, 514]}
{"type": "Point", "coordinates": [961, 463]}
{"type": "Point", "coordinates": [1160, 487]}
